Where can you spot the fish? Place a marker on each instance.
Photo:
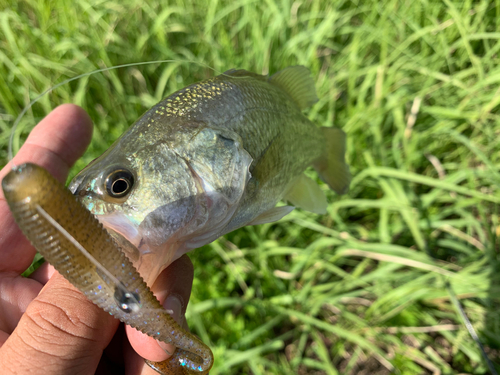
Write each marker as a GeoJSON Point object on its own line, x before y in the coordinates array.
{"type": "Point", "coordinates": [211, 158]}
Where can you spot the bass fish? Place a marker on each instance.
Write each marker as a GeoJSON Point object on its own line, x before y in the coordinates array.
{"type": "Point", "coordinates": [210, 158]}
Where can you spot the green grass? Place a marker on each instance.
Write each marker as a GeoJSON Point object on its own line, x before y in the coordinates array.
{"type": "Point", "coordinates": [367, 288]}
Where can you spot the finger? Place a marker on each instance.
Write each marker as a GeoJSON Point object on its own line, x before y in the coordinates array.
{"type": "Point", "coordinates": [172, 288]}
{"type": "Point", "coordinates": [55, 144]}
{"type": "Point", "coordinates": [57, 141]}
{"type": "Point", "coordinates": [135, 365]}
{"type": "Point", "coordinates": [16, 293]}
{"type": "Point", "coordinates": [43, 273]}
{"type": "Point", "coordinates": [62, 332]}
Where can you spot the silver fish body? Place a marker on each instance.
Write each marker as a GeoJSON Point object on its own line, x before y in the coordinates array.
{"type": "Point", "coordinates": [208, 159]}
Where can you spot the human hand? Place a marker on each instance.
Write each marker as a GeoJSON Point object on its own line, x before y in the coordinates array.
{"type": "Point", "coordinates": [47, 325]}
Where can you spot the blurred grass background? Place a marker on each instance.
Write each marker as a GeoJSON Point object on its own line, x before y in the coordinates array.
{"type": "Point", "coordinates": [368, 288]}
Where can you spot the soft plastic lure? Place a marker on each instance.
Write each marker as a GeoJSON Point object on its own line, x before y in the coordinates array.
{"type": "Point", "coordinates": [75, 243]}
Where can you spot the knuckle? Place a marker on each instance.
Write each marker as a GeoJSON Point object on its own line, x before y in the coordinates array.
{"type": "Point", "coordinates": [62, 320]}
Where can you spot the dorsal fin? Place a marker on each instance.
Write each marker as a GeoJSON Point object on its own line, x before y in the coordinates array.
{"type": "Point", "coordinates": [297, 82]}
{"type": "Point", "coordinates": [243, 73]}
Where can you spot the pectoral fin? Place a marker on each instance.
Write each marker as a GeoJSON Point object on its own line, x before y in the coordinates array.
{"type": "Point", "coordinates": [306, 194]}
{"type": "Point", "coordinates": [272, 215]}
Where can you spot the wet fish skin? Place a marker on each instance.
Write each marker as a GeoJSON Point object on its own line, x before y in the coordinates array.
{"type": "Point", "coordinates": [210, 158]}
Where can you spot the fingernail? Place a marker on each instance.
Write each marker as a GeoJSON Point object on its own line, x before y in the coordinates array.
{"type": "Point", "coordinates": [174, 304]}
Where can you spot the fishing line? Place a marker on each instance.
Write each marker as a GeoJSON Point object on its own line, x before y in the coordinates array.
{"type": "Point", "coordinates": [23, 112]}
{"type": "Point", "coordinates": [126, 300]}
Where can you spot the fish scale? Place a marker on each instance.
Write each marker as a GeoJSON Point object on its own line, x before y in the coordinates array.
{"type": "Point", "coordinates": [210, 158]}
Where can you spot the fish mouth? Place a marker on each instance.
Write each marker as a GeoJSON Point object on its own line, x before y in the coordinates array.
{"type": "Point", "coordinates": [122, 226]}
{"type": "Point", "coordinates": [130, 250]}
{"type": "Point", "coordinates": [148, 260]}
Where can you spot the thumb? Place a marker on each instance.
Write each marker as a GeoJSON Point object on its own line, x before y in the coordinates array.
{"type": "Point", "coordinates": [61, 332]}
{"type": "Point", "coordinates": [172, 288]}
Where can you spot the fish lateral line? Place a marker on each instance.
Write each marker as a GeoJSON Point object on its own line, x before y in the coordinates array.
{"type": "Point", "coordinates": [10, 152]}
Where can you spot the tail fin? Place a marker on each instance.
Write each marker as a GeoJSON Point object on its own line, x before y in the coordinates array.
{"type": "Point", "coordinates": [332, 166]}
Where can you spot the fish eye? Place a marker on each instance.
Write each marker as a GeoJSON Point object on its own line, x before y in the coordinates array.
{"type": "Point", "coordinates": [119, 183]}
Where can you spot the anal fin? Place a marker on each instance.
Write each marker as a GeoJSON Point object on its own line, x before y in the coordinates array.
{"type": "Point", "coordinates": [306, 194]}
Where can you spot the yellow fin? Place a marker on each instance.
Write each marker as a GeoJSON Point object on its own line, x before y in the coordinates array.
{"type": "Point", "coordinates": [332, 166]}
{"type": "Point", "coordinates": [272, 215]}
{"type": "Point", "coordinates": [297, 82]}
{"type": "Point", "coordinates": [305, 193]}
